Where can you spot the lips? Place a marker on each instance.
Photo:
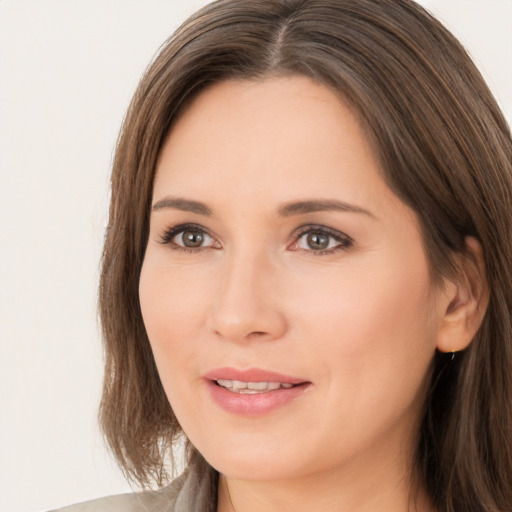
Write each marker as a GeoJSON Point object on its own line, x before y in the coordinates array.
{"type": "Point", "coordinates": [253, 392]}
{"type": "Point", "coordinates": [252, 375]}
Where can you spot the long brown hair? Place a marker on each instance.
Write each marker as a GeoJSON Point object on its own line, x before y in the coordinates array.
{"type": "Point", "coordinates": [446, 151]}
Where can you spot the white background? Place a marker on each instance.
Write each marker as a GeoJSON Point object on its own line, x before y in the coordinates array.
{"type": "Point", "coordinates": [67, 71]}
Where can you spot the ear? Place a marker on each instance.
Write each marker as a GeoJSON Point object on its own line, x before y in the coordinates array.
{"type": "Point", "coordinates": [467, 298]}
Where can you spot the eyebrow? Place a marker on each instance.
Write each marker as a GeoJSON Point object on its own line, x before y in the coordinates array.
{"type": "Point", "coordinates": [320, 205]}
{"type": "Point", "coordinates": [286, 210]}
{"type": "Point", "coordinates": [185, 205]}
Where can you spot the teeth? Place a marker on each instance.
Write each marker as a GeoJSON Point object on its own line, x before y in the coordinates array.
{"type": "Point", "coordinates": [257, 386]}
{"type": "Point", "coordinates": [239, 386]}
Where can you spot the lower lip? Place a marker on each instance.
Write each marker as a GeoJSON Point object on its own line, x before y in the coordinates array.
{"type": "Point", "coordinates": [254, 404]}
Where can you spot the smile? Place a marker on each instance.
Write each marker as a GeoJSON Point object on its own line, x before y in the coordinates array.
{"type": "Point", "coordinates": [239, 386]}
{"type": "Point", "coordinates": [253, 392]}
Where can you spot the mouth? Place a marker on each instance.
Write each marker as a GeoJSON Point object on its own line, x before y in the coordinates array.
{"type": "Point", "coordinates": [253, 392]}
{"type": "Point", "coordinates": [252, 388]}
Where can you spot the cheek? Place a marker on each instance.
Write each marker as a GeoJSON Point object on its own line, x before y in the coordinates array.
{"type": "Point", "coordinates": [373, 330]}
{"type": "Point", "coordinates": [368, 306]}
{"type": "Point", "coordinates": [173, 295]}
{"type": "Point", "coordinates": [172, 315]}
{"type": "Point", "coordinates": [173, 309]}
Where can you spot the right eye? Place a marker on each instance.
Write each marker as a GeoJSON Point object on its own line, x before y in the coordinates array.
{"type": "Point", "coordinates": [188, 237]}
{"type": "Point", "coordinates": [191, 238]}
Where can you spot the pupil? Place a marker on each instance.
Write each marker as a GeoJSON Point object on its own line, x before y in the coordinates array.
{"type": "Point", "coordinates": [318, 241]}
{"type": "Point", "coordinates": [192, 238]}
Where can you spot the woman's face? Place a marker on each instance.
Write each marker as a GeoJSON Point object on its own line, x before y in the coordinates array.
{"type": "Point", "coordinates": [285, 289]}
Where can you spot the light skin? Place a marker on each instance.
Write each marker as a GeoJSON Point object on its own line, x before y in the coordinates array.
{"type": "Point", "coordinates": [296, 258]}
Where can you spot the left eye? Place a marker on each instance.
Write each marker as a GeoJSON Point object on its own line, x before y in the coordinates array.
{"type": "Point", "coordinates": [318, 240]}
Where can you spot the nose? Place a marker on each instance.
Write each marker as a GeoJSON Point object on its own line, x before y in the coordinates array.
{"type": "Point", "coordinates": [247, 305]}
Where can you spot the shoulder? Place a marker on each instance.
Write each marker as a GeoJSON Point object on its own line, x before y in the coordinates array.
{"type": "Point", "coordinates": [195, 489]}
{"type": "Point", "coordinates": [163, 500]}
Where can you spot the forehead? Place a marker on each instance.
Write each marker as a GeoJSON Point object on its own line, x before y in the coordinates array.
{"type": "Point", "coordinates": [269, 140]}
{"type": "Point", "coordinates": [266, 108]}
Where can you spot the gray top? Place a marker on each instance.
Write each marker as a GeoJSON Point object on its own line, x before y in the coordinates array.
{"type": "Point", "coordinates": [194, 491]}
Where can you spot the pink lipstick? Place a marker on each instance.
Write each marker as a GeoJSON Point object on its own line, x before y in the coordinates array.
{"type": "Point", "coordinates": [254, 391]}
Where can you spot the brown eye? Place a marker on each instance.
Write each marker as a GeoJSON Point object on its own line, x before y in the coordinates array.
{"type": "Point", "coordinates": [322, 240]}
{"type": "Point", "coordinates": [191, 238]}
{"type": "Point", "coordinates": [317, 241]}
{"type": "Point", "coordinates": [188, 238]}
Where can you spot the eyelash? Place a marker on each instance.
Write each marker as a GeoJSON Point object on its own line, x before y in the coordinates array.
{"type": "Point", "coordinates": [344, 241]}
{"type": "Point", "coordinates": [167, 237]}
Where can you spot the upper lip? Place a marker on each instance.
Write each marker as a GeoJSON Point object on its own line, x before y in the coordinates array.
{"type": "Point", "coordinates": [252, 375]}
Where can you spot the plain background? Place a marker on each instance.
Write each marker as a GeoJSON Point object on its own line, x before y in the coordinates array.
{"type": "Point", "coordinates": [67, 71]}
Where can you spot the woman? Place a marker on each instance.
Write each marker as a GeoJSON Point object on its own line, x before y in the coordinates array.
{"type": "Point", "coordinates": [306, 270]}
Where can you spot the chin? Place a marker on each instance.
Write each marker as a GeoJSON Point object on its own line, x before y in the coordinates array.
{"type": "Point", "coordinates": [247, 470]}
{"type": "Point", "coordinates": [255, 463]}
